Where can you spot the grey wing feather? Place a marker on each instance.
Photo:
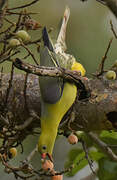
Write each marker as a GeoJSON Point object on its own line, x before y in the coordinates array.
{"type": "Point", "coordinates": [51, 88]}
{"type": "Point", "coordinates": [46, 39]}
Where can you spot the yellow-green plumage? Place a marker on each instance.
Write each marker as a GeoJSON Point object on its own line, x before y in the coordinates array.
{"type": "Point", "coordinates": [53, 114]}
{"type": "Point", "coordinates": [57, 97]}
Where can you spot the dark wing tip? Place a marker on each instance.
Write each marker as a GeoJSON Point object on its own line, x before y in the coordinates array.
{"type": "Point", "coordinates": [46, 39]}
{"type": "Point", "coordinates": [45, 34]}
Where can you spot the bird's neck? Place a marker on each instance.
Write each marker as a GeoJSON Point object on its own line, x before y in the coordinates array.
{"type": "Point", "coordinates": [48, 134]}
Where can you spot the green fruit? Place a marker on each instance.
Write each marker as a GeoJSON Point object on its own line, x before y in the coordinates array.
{"type": "Point", "coordinates": [115, 63]}
{"type": "Point", "coordinates": [23, 35]}
{"type": "Point", "coordinates": [13, 43]}
{"type": "Point", "coordinates": [110, 75]}
{"type": "Point", "coordinates": [79, 134]}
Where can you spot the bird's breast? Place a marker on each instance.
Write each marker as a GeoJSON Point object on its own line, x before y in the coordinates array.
{"type": "Point", "coordinates": [53, 113]}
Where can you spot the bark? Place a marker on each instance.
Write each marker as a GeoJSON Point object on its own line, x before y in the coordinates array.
{"type": "Point", "coordinates": [96, 112]}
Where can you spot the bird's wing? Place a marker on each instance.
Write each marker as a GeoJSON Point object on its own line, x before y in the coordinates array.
{"type": "Point", "coordinates": [51, 88]}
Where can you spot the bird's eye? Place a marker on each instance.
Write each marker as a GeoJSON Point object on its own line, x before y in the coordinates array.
{"type": "Point", "coordinates": [44, 147]}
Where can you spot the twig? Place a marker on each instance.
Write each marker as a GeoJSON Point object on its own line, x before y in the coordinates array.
{"type": "Point", "coordinates": [105, 148]}
{"type": "Point", "coordinates": [12, 23]}
{"type": "Point", "coordinates": [10, 34]}
{"type": "Point", "coordinates": [65, 171]}
{"type": "Point", "coordinates": [26, 5]}
{"type": "Point", "coordinates": [18, 21]}
{"type": "Point", "coordinates": [7, 30]}
{"type": "Point", "coordinates": [101, 66]}
{"type": "Point", "coordinates": [25, 57]}
{"type": "Point", "coordinates": [90, 162]}
{"type": "Point", "coordinates": [23, 45]}
{"type": "Point", "coordinates": [112, 28]}
{"type": "Point", "coordinates": [22, 177]}
{"type": "Point", "coordinates": [30, 156]}
{"type": "Point", "coordinates": [71, 119]}
{"type": "Point", "coordinates": [27, 122]}
{"type": "Point", "coordinates": [24, 125]}
{"type": "Point", "coordinates": [2, 3]}
{"type": "Point", "coordinates": [35, 42]}
{"type": "Point", "coordinates": [17, 13]}
{"type": "Point", "coordinates": [4, 120]}
{"type": "Point", "coordinates": [50, 174]}
{"type": "Point", "coordinates": [2, 59]}
{"type": "Point", "coordinates": [14, 170]}
{"type": "Point", "coordinates": [6, 53]}
{"type": "Point", "coordinates": [72, 76]}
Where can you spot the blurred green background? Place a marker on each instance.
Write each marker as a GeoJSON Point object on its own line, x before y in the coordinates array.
{"type": "Point", "coordinates": [88, 31]}
{"type": "Point", "coordinates": [88, 34]}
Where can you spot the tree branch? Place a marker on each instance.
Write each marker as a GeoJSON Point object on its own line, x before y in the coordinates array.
{"type": "Point", "coordinates": [93, 113]}
{"type": "Point", "coordinates": [2, 3]}
{"type": "Point", "coordinates": [105, 148]}
{"type": "Point", "coordinates": [69, 75]}
{"type": "Point", "coordinates": [24, 6]}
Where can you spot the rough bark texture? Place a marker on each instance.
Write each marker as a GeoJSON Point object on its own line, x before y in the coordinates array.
{"type": "Point", "coordinates": [94, 113]}
{"type": "Point", "coordinates": [18, 108]}
{"type": "Point", "coordinates": [100, 110]}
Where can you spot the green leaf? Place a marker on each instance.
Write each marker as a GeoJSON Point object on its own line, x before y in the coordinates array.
{"type": "Point", "coordinates": [77, 158]}
{"type": "Point", "coordinates": [107, 169]}
{"type": "Point", "coordinates": [96, 155]}
{"type": "Point", "coordinates": [109, 137]}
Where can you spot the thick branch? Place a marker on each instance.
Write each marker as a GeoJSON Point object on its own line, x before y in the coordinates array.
{"type": "Point", "coordinates": [95, 113]}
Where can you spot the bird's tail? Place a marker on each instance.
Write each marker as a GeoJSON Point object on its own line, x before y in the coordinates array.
{"type": "Point", "coordinates": [62, 34]}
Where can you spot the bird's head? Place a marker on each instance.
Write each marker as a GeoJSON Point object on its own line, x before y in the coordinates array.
{"type": "Point", "coordinates": [45, 146]}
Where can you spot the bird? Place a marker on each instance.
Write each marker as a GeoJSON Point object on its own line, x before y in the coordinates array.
{"type": "Point", "coordinates": [57, 95]}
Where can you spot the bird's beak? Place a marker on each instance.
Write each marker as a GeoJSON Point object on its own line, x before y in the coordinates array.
{"type": "Point", "coordinates": [50, 157]}
{"type": "Point", "coordinates": [44, 155]}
